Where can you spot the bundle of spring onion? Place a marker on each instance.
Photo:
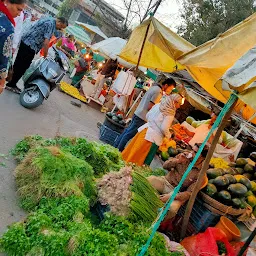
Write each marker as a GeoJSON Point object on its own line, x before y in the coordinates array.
{"type": "Point", "coordinates": [129, 194]}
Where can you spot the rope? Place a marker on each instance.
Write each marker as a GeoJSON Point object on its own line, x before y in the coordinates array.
{"type": "Point", "coordinates": [167, 205]}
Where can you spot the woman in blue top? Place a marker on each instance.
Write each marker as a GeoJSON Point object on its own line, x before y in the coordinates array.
{"type": "Point", "coordinates": [9, 10]}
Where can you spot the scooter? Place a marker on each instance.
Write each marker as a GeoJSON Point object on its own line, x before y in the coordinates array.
{"type": "Point", "coordinates": [42, 77]}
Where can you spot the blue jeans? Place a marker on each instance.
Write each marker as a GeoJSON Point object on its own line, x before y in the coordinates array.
{"type": "Point", "coordinates": [129, 132]}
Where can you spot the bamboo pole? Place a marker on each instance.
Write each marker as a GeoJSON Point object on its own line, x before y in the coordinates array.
{"type": "Point", "coordinates": [204, 169]}
{"type": "Point", "coordinates": [142, 47]}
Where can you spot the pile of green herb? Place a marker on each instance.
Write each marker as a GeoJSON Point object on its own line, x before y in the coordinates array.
{"type": "Point", "coordinates": [103, 158]}
{"type": "Point", "coordinates": [49, 172]}
{"type": "Point", "coordinates": [46, 233]}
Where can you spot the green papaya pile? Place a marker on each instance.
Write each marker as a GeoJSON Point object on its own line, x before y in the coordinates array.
{"type": "Point", "coordinates": [117, 118]}
{"type": "Point", "coordinates": [234, 186]}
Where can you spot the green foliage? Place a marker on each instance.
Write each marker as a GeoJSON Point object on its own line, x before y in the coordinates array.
{"type": "Point", "coordinates": [67, 6]}
{"type": "Point", "coordinates": [203, 20]}
{"type": "Point", "coordinates": [14, 241]}
{"type": "Point", "coordinates": [49, 172]}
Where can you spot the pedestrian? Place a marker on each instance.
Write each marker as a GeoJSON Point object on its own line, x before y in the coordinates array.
{"type": "Point", "coordinates": [151, 97]}
{"type": "Point", "coordinates": [9, 10]}
{"type": "Point", "coordinates": [36, 38]}
{"type": "Point", "coordinates": [107, 71]}
{"type": "Point", "coordinates": [159, 120]}
{"type": "Point", "coordinates": [17, 34]}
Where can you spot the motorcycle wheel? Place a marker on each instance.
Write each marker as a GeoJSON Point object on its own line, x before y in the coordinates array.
{"type": "Point", "coordinates": [31, 98]}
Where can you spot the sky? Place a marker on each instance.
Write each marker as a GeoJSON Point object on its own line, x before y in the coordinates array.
{"type": "Point", "coordinates": [167, 13]}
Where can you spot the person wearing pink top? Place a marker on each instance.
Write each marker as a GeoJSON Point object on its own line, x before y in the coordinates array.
{"type": "Point", "coordinates": [67, 45]}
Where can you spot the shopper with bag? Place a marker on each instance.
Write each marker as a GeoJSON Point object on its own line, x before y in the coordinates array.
{"type": "Point", "coordinates": [107, 71]}
{"type": "Point", "coordinates": [9, 10]}
{"type": "Point", "coordinates": [151, 97]}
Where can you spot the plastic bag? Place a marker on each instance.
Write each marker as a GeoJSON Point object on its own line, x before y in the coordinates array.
{"type": "Point", "coordinates": [124, 83]}
{"type": "Point", "coordinates": [120, 102]}
{"type": "Point", "coordinates": [205, 244]}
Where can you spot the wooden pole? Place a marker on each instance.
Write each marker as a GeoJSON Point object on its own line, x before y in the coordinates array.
{"type": "Point", "coordinates": [142, 47]}
{"type": "Point", "coordinates": [204, 169]}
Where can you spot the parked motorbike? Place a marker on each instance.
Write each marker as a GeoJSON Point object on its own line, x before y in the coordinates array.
{"type": "Point", "coordinates": [42, 77]}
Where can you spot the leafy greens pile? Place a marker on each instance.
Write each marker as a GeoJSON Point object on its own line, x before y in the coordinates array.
{"type": "Point", "coordinates": [102, 157]}
{"type": "Point", "coordinates": [56, 181]}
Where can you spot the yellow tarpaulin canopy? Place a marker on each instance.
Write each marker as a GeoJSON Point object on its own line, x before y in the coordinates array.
{"type": "Point", "coordinates": [161, 50]}
{"type": "Point", "coordinates": [209, 62]}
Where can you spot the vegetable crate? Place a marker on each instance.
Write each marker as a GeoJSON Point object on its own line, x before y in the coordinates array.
{"type": "Point", "coordinates": [201, 217]}
{"type": "Point", "coordinates": [108, 135]}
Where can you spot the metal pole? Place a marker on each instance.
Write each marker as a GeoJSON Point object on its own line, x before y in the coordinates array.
{"type": "Point", "coordinates": [247, 243]}
{"type": "Point", "coordinates": [157, 6]}
{"type": "Point", "coordinates": [204, 169]}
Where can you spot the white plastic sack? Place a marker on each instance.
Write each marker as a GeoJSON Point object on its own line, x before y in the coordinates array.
{"type": "Point", "coordinates": [124, 83]}
{"type": "Point", "coordinates": [120, 102]}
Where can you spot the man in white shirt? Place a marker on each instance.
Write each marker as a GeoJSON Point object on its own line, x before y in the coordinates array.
{"type": "Point", "coordinates": [17, 34]}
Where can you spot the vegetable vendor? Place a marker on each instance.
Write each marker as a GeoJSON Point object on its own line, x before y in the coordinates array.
{"type": "Point", "coordinates": [160, 118]}
{"type": "Point", "coordinates": [176, 167]}
{"type": "Point", "coordinates": [82, 67]}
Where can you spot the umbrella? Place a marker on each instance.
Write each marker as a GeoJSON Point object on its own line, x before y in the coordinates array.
{"type": "Point", "coordinates": [110, 47]}
{"type": "Point", "coordinates": [92, 29]}
{"type": "Point", "coordinates": [79, 34]}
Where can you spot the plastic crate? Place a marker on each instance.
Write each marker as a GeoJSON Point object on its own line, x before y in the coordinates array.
{"type": "Point", "coordinates": [108, 135]}
{"type": "Point", "coordinates": [200, 219]}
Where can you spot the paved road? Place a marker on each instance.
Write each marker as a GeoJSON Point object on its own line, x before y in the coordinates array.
{"type": "Point", "coordinates": [55, 116]}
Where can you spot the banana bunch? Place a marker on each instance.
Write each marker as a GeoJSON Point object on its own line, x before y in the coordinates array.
{"type": "Point", "coordinates": [72, 91]}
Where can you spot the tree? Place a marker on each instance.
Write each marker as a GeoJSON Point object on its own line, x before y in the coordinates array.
{"type": "Point", "coordinates": [67, 7]}
{"type": "Point", "coordinates": [203, 20]}
{"type": "Point", "coordinates": [135, 10]}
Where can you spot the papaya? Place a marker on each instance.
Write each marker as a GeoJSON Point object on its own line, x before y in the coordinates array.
{"type": "Point", "coordinates": [248, 175]}
{"type": "Point", "coordinates": [246, 182]}
{"type": "Point", "coordinates": [238, 177]}
{"type": "Point", "coordinates": [231, 178]}
{"type": "Point", "coordinates": [221, 181]}
{"type": "Point", "coordinates": [213, 173]}
{"type": "Point", "coordinates": [210, 190]}
{"type": "Point", "coordinates": [253, 183]}
{"type": "Point", "coordinates": [211, 181]}
{"type": "Point", "coordinates": [251, 200]}
{"type": "Point", "coordinates": [249, 168]}
{"type": "Point", "coordinates": [243, 203]}
{"type": "Point", "coordinates": [163, 149]}
{"type": "Point", "coordinates": [249, 193]}
{"type": "Point", "coordinates": [190, 119]}
{"type": "Point", "coordinates": [253, 156]}
{"type": "Point", "coordinates": [224, 197]}
{"type": "Point", "coordinates": [232, 164]}
{"type": "Point", "coordinates": [165, 156]}
{"type": "Point", "coordinates": [238, 189]}
{"type": "Point", "coordinates": [239, 170]}
{"type": "Point", "coordinates": [171, 143]}
{"type": "Point", "coordinates": [241, 162]}
{"type": "Point", "coordinates": [236, 202]}
{"type": "Point", "coordinates": [172, 152]}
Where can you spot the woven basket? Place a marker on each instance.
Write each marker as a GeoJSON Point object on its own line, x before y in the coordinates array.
{"type": "Point", "coordinates": [222, 208]}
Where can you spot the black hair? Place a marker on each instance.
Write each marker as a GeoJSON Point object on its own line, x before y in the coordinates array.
{"type": "Point", "coordinates": [169, 81]}
{"type": "Point", "coordinates": [63, 20]}
{"type": "Point", "coordinates": [17, 1]}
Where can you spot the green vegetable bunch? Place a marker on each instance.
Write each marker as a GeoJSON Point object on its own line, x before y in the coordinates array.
{"type": "Point", "coordinates": [145, 201]}
{"type": "Point", "coordinates": [49, 172]}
